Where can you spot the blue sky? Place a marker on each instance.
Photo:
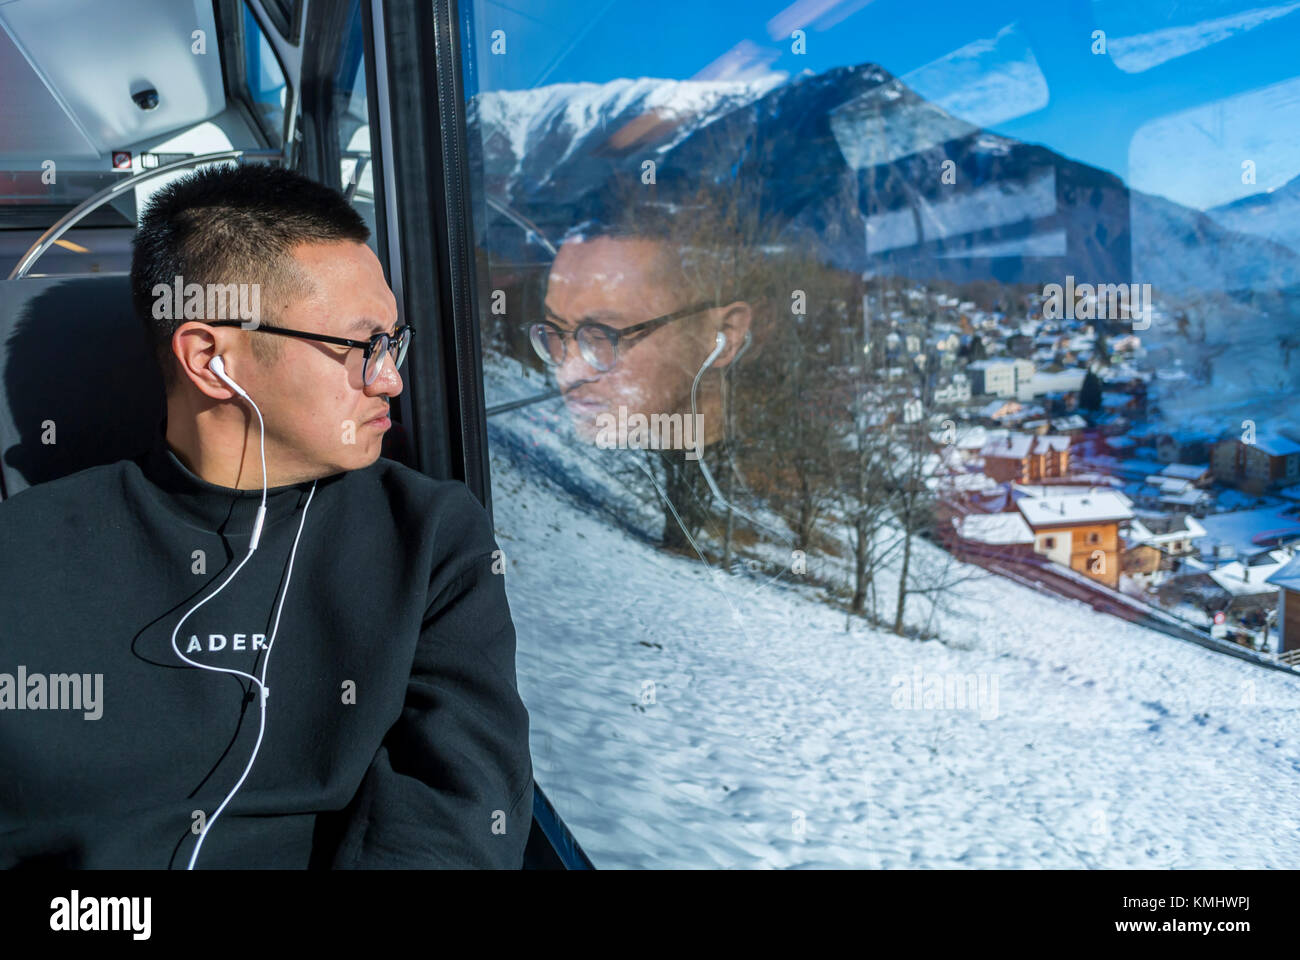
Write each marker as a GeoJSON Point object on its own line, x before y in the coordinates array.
{"type": "Point", "coordinates": [1175, 106]}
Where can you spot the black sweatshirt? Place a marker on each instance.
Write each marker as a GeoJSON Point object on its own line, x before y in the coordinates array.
{"type": "Point", "coordinates": [395, 735]}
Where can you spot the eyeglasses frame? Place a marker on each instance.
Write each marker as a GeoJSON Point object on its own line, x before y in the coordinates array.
{"type": "Point", "coordinates": [644, 329]}
{"type": "Point", "coordinates": [367, 347]}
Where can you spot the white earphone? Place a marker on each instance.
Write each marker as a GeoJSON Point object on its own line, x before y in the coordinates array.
{"type": "Point", "coordinates": [218, 367]}
{"type": "Point", "coordinates": [720, 341]}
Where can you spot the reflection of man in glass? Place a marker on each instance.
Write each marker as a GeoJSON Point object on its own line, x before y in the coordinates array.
{"type": "Point", "coordinates": [629, 323]}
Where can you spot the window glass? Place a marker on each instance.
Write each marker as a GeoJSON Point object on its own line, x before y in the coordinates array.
{"type": "Point", "coordinates": [352, 111]}
{"type": "Point", "coordinates": [801, 323]}
{"type": "Point", "coordinates": [265, 79]}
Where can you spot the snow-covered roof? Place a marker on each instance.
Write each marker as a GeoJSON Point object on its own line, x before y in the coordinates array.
{"type": "Point", "coordinates": [1073, 422]}
{"type": "Point", "coordinates": [967, 437]}
{"type": "Point", "coordinates": [1017, 446]}
{"type": "Point", "coordinates": [1168, 484]}
{"type": "Point", "coordinates": [1139, 532]}
{"type": "Point", "coordinates": [1251, 531]}
{"type": "Point", "coordinates": [993, 407]}
{"type": "Point", "coordinates": [1004, 360]}
{"type": "Point", "coordinates": [1242, 580]}
{"type": "Point", "coordinates": [1276, 445]}
{"type": "Point", "coordinates": [1087, 508]}
{"type": "Point", "coordinates": [984, 435]}
{"type": "Point", "coordinates": [1185, 471]}
{"type": "Point", "coordinates": [999, 528]}
{"type": "Point", "coordinates": [1040, 490]}
{"type": "Point", "coordinates": [1014, 445]}
{"type": "Point", "coordinates": [969, 483]}
{"type": "Point", "coordinates": [1287, 575]}
{"type": "Point", "coordinates": [1191, 497]}
{"type": "Point", "coordinates": [1059, 381]}
{"type": "Point", "coordinates": [1130, 468]}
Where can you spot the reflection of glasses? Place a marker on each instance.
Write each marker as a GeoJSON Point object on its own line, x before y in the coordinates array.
{"type": "Point", "coordinates": [597, 342]}
{"type": "Point", "coordinates": [380, 345]}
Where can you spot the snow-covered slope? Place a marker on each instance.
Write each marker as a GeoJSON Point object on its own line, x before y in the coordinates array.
{"type": "Point", "coordinates": [1274, 214]}
{"type": "Point", "coordinates": [776, 739]}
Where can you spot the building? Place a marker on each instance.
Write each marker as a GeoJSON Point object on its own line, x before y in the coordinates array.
{"type": "Point", "coordinates": [1270, 461]}
{"type": "Point", "coordinates": [1173, 493]}
{"type": "Point", "coordinates": [1080, 531]}
{"type": "Point", "coordinates": [1247, 596]}
{"type": "Point", "coordinates": [1141, 560]}
{"type": "Point", "coordinates": [1247, 586]}
{"type": "Point", "coordinates": [1183, 446]}
{"type": "Point", "coordinates": [1041, 384]}
{"type": "Point", "coordinates": [1025, 458]}
{"type": "Point", "coordinates": [1072, 425]}
{"type": "Point", "coordinates": [1287, 581]}
{"type": "Point", "coordinates": [1199, 475]}
{"type": "Point", "coordinates": [1173, 536]}
{"type": "Point", "coordinates": [994, 534]}
{"type": "Point", "coordinates": [1001, 410]}
{"type": "Point", "coordinates": [1000, 376]}
{"type": "Point", "coordinates": [1248, 534]}
{"type": "Point", "coordinates": [956, 390]}
{"type": "Point", "coordinates": [1154, 545]}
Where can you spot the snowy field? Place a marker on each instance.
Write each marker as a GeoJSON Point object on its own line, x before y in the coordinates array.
{"type": "Point", "coordinates": [773, 738]}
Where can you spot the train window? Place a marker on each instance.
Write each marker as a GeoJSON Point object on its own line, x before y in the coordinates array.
{"type": "Point", "coordinates": [799, 323]}
{"type": "Point", "coordinates": [265, 79]}
{"type": "Point", "coordinates": [352, 111]}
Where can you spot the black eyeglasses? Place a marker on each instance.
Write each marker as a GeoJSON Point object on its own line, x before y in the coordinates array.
{"type": "Point", "coordinates": [598, 342]}
{"type": "Point", "coordinates": [379, 345]}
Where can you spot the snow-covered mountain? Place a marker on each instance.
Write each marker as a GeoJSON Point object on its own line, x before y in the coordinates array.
{"type": "Point", "coordinates": [1272, 214]}
{"type": "Point", "coordinates": [856, 166]}
{"type": "Point", "coordinates": [558, 140]}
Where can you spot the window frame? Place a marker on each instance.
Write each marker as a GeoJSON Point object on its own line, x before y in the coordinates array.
{"type": "Point", "coordinates": [419, 151]}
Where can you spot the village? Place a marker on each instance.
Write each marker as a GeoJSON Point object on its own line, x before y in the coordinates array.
{"type": "Point", "coordinates": [1051, 452]}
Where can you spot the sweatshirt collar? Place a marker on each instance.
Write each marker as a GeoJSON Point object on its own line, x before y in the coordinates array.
{"type": "Point", "coordinates": [208, 506]}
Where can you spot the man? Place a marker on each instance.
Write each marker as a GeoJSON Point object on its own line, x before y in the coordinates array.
{"type": "Point", "coordinates": [145, 722]}
{"type": "Point", "coordinates": [621, 279]}
{"type": "Point", "coordinates": [635, 309]}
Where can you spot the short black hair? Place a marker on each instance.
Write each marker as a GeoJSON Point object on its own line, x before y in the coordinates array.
{"type": "Point", "coordinates": [232, 224]}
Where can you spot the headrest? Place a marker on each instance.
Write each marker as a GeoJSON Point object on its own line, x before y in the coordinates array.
{"type": "Point", "coordinates": [81, 386]}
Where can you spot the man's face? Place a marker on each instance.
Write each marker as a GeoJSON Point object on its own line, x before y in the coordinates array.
{"type": "Point", "coordinates": [321, 418]}
{"type": "Point", "coordinates": [620, 282]}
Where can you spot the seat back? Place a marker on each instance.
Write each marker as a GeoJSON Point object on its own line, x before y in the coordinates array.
{"type": "Point", "coordinates": [81, 387]}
